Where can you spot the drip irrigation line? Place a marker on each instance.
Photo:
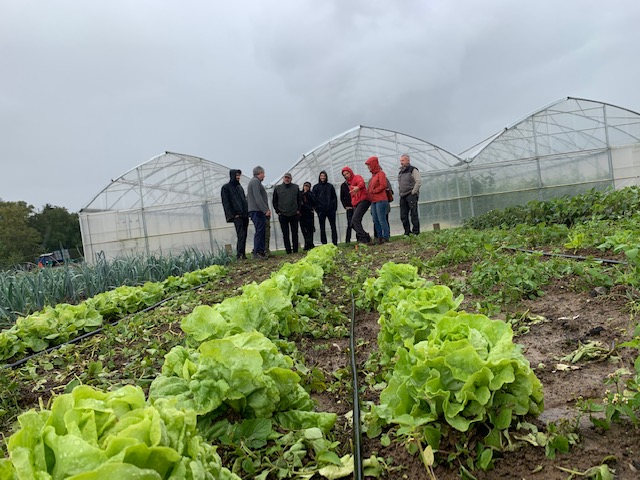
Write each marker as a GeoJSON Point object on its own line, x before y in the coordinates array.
{"type": "Point", "coordinates": [97, 330]}
{"type": "Point", "coordinates": [575, 257]}
{"type": "Point", "coordinates": [357, 434]}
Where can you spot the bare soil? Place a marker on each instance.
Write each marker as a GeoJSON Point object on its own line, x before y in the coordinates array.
{"type": "Point", "coordinates": [567, 316]}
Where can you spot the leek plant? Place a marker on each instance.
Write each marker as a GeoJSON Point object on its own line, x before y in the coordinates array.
{"type": "Point", "coordinates": [25, 292]}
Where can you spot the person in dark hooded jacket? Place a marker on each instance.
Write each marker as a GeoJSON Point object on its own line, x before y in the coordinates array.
{"type": "Point", "coordinates": [236, 210]}
{"type": "Point", "coordinates": [326, 207]}
{"type": "Point", "coordinates": [307, 206]}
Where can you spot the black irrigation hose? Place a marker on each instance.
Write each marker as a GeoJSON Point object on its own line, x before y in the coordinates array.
{"type": "Point", "coordinates": [97, 330]}
{"type": "Point", "coordinates": [575, 257]}
{"type": "Point", "coordinates": [357, 434]}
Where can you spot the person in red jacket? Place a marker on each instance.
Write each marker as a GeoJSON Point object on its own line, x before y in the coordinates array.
{"type": "Point", "coordinates": [377, 191]}
{"type": "Point", "coordinates": [359, 201]}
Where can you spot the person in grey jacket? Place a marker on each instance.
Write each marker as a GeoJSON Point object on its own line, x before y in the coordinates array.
{"type": "Point", "coordinates": [409, 183]}
{"type": "Point", "coordinates": [286, 203]}
{"type": "Point", "coordinates": [258, 205]}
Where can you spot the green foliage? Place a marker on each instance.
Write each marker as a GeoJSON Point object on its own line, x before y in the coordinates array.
{"type": "Point", "coordinates": [556, 438]}
{"type": "Point", "coordinates": [124, 300]}
{"type": "Point", "coordinates": [243, 372]}
{"type": "Point", "coordinates": [608, 205]}
{"type": "Point", "coordinates": [58, 229]}
{"type": "Point", "coordinates": [468, 371]}
{"type": "Point", "coordinates": [97, 435]}
{"type": "Point", "coordinates": [55, 325]}
{"type": "Point", "coordinates": [19, 242]}
{"type": "Point", "coordinates": [622, 401]}
{"type": "Point", "coordinates": [450, 368]}
{"type": "Point", "coordinates": [25, 292]}
{"type": "Point", "coordinates": [510, 278]}
{"type": "Point", "coordinates": [409, 306]}
{"type": "Point", "coordinates": [51, 326]}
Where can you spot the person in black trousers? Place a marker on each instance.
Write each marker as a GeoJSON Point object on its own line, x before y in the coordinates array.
{"type": "Point", "coordinates": [326, 207]}
{"type": "Point", "coordinates": [345, 199]}
{"type": "Point", "coordinates": [286, 203]}
{"type": "Point", "coordinates": [236, 210]}
{"type": "Point", "coordinates": [307, 215]}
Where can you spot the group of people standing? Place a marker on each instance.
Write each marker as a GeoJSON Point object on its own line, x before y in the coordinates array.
{"type": "Point", "coordinates": [297, 207]}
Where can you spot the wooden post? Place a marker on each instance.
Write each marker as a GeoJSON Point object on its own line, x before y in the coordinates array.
{"type": "Point", "coordinates": [436, 226]}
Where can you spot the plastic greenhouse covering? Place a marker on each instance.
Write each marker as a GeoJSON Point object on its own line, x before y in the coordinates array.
{"type": "Point", "coordinates": [172, 203]}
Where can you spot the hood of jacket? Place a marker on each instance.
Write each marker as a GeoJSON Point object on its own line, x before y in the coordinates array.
{"type": "Point", "coordinates": [326, 180]}
{"type": "Point", "coordinates": [348, 169]}
{"type": "Point", "coordinates": [373, 164]}
{"type": "Point", "coordinates": [232, 175]}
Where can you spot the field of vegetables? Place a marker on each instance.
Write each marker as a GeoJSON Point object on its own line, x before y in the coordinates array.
{"type": "Point", "coordinates": [506, 350]}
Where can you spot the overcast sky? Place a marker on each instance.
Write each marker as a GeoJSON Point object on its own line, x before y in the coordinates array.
{"type": "Point", "coordinates": [91, 89]}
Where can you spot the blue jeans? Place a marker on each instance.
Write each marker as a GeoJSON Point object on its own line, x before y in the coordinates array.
{"type": "Point", "coordinates": [380, 223]}
{"type": "Point", "coordinates": [259, 220]}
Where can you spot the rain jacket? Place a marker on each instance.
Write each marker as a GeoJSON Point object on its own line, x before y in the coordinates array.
{"type": "Point", "coordinates": [378, 183]}
{"type": "Point", "coordinates": [326, 198]}
{"type": "Point", "coordinates": [234, 200]}
{"type": "Point", "coordinates": [356, 181]}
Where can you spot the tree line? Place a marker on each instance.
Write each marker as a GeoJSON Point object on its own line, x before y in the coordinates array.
{"type": "Point", "coordinates": [26, 233]}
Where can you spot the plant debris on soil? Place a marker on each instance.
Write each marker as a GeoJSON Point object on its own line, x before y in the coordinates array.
{"type": "Point", "coordinates": [549, 328]}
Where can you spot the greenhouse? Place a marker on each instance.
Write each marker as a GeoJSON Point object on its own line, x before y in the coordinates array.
{"type": "Point", "coordinates": [172, 203]}
{"type": "Point", "coordinates": [165, 206]}
{"type": "Point", "coordinates": [353, 147]}
{"type": "Point", "coordinates": [569, 147]}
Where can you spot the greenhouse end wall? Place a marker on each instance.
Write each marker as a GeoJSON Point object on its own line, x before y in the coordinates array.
{"type": "Point", "coordinates": [160, 231]}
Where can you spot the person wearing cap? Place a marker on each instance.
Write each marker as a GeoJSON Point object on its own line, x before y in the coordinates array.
{"type": "Point", "coordinates": [327, 206]}
{"type": "Point", "coordinates": [258, 205]}
{"type": "Point", "coordinates": [377, 191]}
{"type": "Point", "coordinates": [236, 210]}
{"type": "Point", "coordinates": [409, 183]}
{"type": "Point", "coordinates": [286, 203]}
{"type": "Point", "coordinates": [307, 217]}
{"type": "Point", "coordinates": [359, 201]}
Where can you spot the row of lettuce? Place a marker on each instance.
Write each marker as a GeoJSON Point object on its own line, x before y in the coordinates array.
{"type": "Point", "coordinates": [231, 365]}
{"type": "Point", "coordinates": [234, 378]}
{"type": "Point", "coordinates": [54, 325]}
{"type": "Point", "coordinates": [444, 368]}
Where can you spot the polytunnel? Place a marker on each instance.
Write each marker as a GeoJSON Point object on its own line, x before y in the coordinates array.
{"type": "Point", "coordinates": [353, 147]}
{"type": "Point", "coordinates": [172, 203]}
{"type": "Point", "coordinates": [167, 205]}
{"type": "Point", "coordinates": [566, 148]}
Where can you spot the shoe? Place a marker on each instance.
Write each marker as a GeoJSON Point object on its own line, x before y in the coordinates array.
{"type": "Point", "coordinates": [380, 241]}
{"type": "Point", "coordinates": [259, 256]}
{"type": "Point", "coordinates": [385, 240]}
{"type": "Point", "coordinates": [242, 257]}
{"type": "Point", "coordinates": [406, 234]}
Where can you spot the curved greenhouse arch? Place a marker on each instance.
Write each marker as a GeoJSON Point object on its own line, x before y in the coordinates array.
{"type": "Point", "coordinates": [565, 148]}
{"type": "Point", "coordinates": [352, 148]}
